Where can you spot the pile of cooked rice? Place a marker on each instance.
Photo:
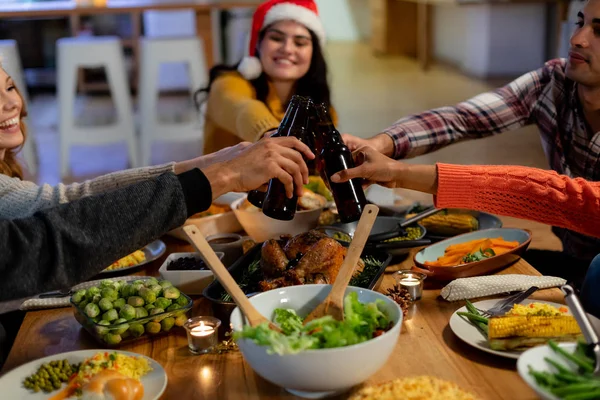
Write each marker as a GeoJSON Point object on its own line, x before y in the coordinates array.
{"type": "Point", "coordinates": [539, 309]}
{"type": "Point", "coordinates": [413, 388]}
{"type": "Point", "coordinates": [132, 367]}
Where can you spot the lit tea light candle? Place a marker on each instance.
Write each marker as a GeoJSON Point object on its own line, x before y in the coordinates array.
{"type": "Point", "coordinates": [411, 281]}
{"type": "Point", "coordinates": [202, 334]}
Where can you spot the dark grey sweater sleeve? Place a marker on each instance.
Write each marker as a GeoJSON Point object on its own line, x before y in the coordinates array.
{"type": "Point", "coordinates": [70, 243]}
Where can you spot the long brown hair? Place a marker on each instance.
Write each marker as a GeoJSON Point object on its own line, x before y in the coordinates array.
{"type": "Point", "coordinates": [10, 165]}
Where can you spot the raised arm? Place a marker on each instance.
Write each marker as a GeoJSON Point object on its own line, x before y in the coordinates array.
{"type": "Point", "coordinates": [498, 111]}
{"type": "Point", "coordinates": [232, 105]}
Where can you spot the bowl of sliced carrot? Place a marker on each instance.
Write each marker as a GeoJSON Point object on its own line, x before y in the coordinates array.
{"type": "Point", "coordinates": [473, 253]}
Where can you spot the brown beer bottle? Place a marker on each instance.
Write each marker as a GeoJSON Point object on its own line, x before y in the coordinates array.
{"type": "Point", "coordinates": [295, 123]}
{"type": "Point", "coordinates": [349, 196]}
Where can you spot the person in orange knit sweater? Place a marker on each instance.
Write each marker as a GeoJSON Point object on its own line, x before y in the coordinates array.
{"type": "Point", "coordinates": [521, 192]}
{"type": "Point", "coordinates": [247, 101]}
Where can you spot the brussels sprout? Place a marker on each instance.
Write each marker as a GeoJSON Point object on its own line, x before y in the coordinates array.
{"type": "Point", "coordinates": [137, 281]}
{"type": "Point", "coordinates": [127, 312]}
{"type": "Point", "coordinates": [128, 291]}
{"type": "Point", "coordinates": [163, 303]}
{"type": "Point", "coordinates": [118, 285]}
{"type": "Point", "coordinates": [111, 338]}
{"type": "Point", "coordinates": [180, 320]}
{"type": "Point", "coordinates": [136, 330]}
{"type": "Point", "coordinates": [105, 304]}
{"type": "Point", "coordinates": [107, 283]}
{"type": "Point", "coordinates": [157, 289]}
{"type": "Point", "coordinates": [156, 311]}
{"type": "Point", "coordinates": [119, 303]}
{"type": "Point", "coordinates": [125, 334]}
{"type": "Point", "coordinates": [101, 330]}
{"type": "Point", "coordinates": [92, 310]}
{"type": "Point", "coordinates": [110, 315]}
{"type": "Point", "coordinates": [96, 299]}
{"type": "Point", "coordinates": [153, 327]}
{"type": "Point", "coordinates": [182, 301]}
{"type": "Point", "coordinates": [110, 293]}
{"type": "Point", "coordinates": [171, 292]}
{"type": "Point", "coordinates": [92, 291]}
{"type": "Point", "coordinates": [83, 304]}
{"type": "Point", "coordinates": [135, 301]}
{"type": "Point", "coordinates": [122, 327]}
{"type": "Point", "coordinates": [173, 307]}
{"type": "Point", "coordinates": [149, 306]}
{"type": "Point", "coordinates": [165, 284]}
{"type": "Point", "coordinates": [97, 319]}
{"type": "Point", "coordinates": [140, 312]}
{"type": "Point", "coordinates": [137, 287]}
{"type": "Point", "coordinates": [148, 295]}
{"type": "Point", "coordinates": [78, 296]}
{"type": "Point", "coordinates": [150, 282]}
{"type": "Point", "coordinates": [167, 323]}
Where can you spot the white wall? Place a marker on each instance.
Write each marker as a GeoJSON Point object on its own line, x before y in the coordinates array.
{"type": "Point", "coordinates": [345, 20]}
{"type": "Point", "coordinates": [491, 40]}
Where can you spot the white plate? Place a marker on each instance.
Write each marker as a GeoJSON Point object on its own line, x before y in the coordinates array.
{"type": "Point", "coordinates": [11, 384]}
{"type": "Point", "coordinates": [152, 251]}
{"type": "Point", "coordinates": [471, 335]}
{"type": "Point", "coordinates": [535, 358]}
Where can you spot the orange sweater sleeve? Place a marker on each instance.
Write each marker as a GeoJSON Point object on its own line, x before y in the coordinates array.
{"type": "Point", "coordinates": [233, 106]}
{"type": "Point", "coordinates": [522, 192]}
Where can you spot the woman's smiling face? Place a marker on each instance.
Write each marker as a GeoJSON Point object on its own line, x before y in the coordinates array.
{"type": "Point", "coordinates": [286, 51]}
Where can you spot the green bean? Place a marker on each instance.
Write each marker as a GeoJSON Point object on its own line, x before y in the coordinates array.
{"type": "Point", "coordinates": [576, 388]}
{"type": "Point", "coordinates": [587, 367]}
{"type": "Point", "coordinates": [473, 317]}
{"type": "Point", "coordinates": [583, 396]}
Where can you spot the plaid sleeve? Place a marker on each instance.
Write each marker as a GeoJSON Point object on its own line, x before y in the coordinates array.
{"type": "Point", "coordinates": [490, 113]}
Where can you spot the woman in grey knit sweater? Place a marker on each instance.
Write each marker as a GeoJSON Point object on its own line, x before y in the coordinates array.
{"type": "Point", "coordinates": [19, 198]}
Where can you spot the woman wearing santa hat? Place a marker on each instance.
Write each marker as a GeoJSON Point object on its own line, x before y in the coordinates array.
{"type": "Point", "coordinates": [284, 57]}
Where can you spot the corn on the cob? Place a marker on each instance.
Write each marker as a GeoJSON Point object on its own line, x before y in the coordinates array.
{"type": "Point", "coordinates": [532, 326]}
{"type": "Point", "coordinates": [450, 224]}
{"type": "Point", "coordinates": [512, 332]}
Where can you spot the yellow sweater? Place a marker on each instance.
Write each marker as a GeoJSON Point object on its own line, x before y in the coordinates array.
{"type": "Point", "coordinates": [233, 114]}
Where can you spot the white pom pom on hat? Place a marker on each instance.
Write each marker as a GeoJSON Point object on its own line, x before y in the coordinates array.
{"type": "Point", "coordinates": [304, 12]}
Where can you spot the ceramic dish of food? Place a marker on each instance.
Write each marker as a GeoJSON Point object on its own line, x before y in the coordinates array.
{"type": "Point", "coordinates": [219, 218]}
{"type": "Point", "coordinates": [479, 260]}
{"type": "Point", "coordinates": [455, 221]}
{"type": "Point", "coordinates": [187, 272]}
{"type": "Point", "coordinates": [154, 381]}
{"type": "Point", "coordinates": [151, 252]}
{"type": "Point", "coordinates": [260, 227]}
{"type": "Point", "coordinates": [321, 372]}
{"type": "Point", "coordinates": [471, 335]}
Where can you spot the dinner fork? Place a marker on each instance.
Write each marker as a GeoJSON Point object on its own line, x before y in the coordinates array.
{"type": "Point", "coordinates": [503, 306]}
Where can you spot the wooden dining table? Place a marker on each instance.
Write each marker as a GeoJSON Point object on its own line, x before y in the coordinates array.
{"type": "Point", "coordinates": [426, 346]}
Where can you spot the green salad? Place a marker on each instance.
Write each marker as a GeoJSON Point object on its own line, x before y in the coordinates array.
{"type": "Point", "coordinates": [361, 322]}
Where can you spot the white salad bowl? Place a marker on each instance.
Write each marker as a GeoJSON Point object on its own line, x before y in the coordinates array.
{"type": "Point", "coordinates": [322, 372]}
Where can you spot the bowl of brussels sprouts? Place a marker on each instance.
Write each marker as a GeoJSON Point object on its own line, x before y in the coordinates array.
{"type": "Point", "coordinates": [120, 311]}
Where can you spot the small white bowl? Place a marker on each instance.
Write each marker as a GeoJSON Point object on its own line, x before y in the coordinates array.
{"type": "Point", "coordinates": [189, 282]}
{"type": "Point", "coordinates": [323, 372]}
{"type": "Point", "coordinates": [214, 224]}
{"type": "Point", "coordinates": [260, 227]}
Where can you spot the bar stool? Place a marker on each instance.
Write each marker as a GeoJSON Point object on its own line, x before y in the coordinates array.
{"type": "Point", "coordinates": [11, 62]}
{"type": "Point", "coordinates": [93, 52]}
{"type": "Point", "coordinates": [153, 53]}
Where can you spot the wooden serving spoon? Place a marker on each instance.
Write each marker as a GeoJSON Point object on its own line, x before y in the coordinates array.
{"type": "Point", "coordinates": [334, 302]}
{"type": "Point", "coordinates": [216, 266]}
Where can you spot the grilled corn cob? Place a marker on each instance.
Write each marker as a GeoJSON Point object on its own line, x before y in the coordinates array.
{"type": "Point", "coordinates": [450, 224]}
{"type": "Point", "coordinates": [513, 332]}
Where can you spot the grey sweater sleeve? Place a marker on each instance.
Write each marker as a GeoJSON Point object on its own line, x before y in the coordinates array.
{"type": "Point", "coordinates": [70, 243]}
{"type": "Point", "coordinates": [20, 199]}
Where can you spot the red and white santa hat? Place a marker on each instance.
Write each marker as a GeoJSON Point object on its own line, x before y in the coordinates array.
{"type": "Point", "coordinates": [304, 12]}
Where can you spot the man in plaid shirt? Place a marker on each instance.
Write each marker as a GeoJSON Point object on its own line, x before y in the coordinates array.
{"type": "Point", "coordinates": [562, 98]}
